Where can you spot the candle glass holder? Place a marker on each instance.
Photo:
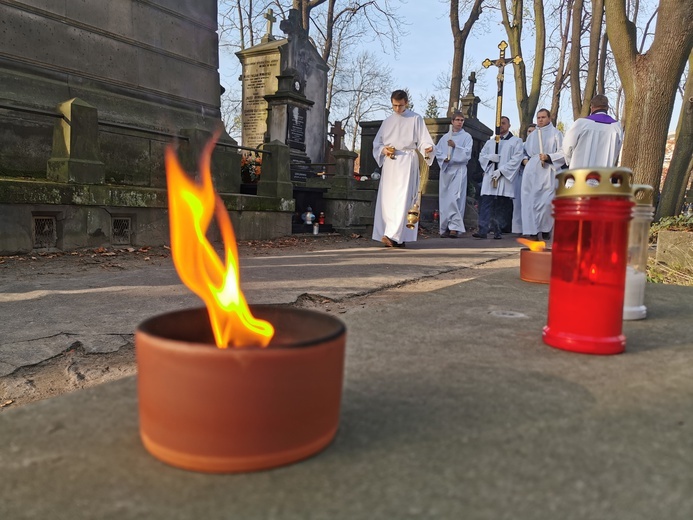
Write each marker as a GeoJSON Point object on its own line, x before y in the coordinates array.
{"type": "Point", "coordinates": [592, 209]}
{"type": "Point", "coordinates": [638, 243]}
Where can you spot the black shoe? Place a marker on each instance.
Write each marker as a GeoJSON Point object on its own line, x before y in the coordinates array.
{"type": "Point", "coordinates": [497, 236]}
{"type": "Point", "coordinates": [453, 234]}
{"type": "Point", "coordinates": [398, 244]}
{"type": "Point", "coordinates": [478, 235]}
{"type": "Point", "coordinates": [546, 236]}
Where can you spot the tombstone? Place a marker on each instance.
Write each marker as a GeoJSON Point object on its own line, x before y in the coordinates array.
{"type": "Point", "coordinates": [284, 95]}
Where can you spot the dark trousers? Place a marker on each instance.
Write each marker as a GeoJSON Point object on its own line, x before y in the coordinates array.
{"type": "Point", "coordinates": [493, 213]}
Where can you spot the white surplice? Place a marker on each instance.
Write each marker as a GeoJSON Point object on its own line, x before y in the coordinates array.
{"type": "Point", "coordinates": [539, 181]}
{"type": "Point", "coordinates": [589, 144]}
{"type": "Point", "coordinates": [399, 180]}
{"type": "Point", "coordinates": [452, 183]}
{"type": "Point", "coordinates": [511, 151]}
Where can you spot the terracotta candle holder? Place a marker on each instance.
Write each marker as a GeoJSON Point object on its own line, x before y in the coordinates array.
{"type": "Point", "coordinates": [230, 410]}
{"type": "Point", "coordinates": [535, 266]}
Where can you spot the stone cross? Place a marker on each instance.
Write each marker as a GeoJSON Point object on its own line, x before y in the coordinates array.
{"type": "Point", "coordinates": [338, 133]}
{"type": "Point", "coordinates": [472, 80]}
{"type": "Point", "coordinates": [269, 16]}
{"type": "Point", "coordinates": [501, 62]}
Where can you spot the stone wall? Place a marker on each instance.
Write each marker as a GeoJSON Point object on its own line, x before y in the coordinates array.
{"type": "Point", "coordinates": [150, 67]}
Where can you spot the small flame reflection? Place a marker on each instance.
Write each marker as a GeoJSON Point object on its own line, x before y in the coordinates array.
{"type": "Point", "coordinates": [533, 245]}
{"type": "Point", "coordinates": [192, 206]}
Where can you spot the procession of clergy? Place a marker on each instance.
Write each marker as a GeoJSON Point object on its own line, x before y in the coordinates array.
{"type": "Point", "coordinates": [519, 178]}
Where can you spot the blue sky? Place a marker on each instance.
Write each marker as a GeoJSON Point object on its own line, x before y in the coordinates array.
{"type": "Point", "coordinates": [426, 51]}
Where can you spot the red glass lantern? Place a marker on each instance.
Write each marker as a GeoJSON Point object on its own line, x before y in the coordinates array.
{"type": "Point", "coordinates": [592, 209]}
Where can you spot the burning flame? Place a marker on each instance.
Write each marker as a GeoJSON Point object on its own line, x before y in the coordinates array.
{"type": "Point", "coordinates": [192, 206]}
{"type": "Point", "coordinates": [533, 245]}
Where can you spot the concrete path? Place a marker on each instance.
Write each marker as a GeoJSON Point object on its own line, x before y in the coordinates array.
{"type": "Point", "coordinates": [452, 408]}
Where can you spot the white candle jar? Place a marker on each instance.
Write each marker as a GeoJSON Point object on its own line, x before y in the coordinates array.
{"type": "Point", "coordinates": [636, 270]}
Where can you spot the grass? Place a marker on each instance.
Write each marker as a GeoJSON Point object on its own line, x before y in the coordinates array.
{"type": "Point", "coordinates": [670, 274]}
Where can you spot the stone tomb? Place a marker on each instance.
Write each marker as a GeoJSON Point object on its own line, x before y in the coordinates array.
{"type": "Point", "coordinates": [284, 95]}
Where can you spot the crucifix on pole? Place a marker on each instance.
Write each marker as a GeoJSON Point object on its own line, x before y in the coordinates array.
{"type": "Point", "coordinates": [501, 62]}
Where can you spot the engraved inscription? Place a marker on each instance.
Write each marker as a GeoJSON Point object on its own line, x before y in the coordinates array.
{"type": "Point", "coordinates": [259, 79]}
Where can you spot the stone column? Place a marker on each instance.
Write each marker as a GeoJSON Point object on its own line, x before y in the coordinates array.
{"type": "Point", "coordinates": [75, 154]}
{"type": "Point", "coordinates": [276, 173]}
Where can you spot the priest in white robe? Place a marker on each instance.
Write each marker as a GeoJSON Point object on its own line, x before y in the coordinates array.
{"type": "Point", "coordinates": [594, 141]}
{"type": "Point", "coordinates": [394, 149]}
{"type": "Point", "coordinates": [453, 152]}
{"type": "Point", "coordinates": [544, 159]}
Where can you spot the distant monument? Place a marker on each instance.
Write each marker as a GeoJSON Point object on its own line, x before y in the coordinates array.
{"type": "Point", "coordinates": [284, 94]}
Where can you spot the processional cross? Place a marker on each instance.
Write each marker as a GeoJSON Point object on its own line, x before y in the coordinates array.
{"type": "Point", "coordinates": [501, 62]}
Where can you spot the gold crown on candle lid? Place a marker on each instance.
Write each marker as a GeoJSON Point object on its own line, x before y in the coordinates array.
{"type": "Point", "coordinates": [643, 194]}
{"type": "Point", "coordinates": [595, 182]}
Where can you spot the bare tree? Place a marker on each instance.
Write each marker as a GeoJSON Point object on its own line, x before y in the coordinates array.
{"type": "Point", "coordinates": [681, 165]}
{"type": "Point", "coordinates": [649, 81]}
{"type": "Point", "coordinates": [366, 89]}
{"type": "Point", "coordinates": [584, 19]}
{"type": "Point", "coordinates": [563, 15]}
{"type": "Point", "coordinates": [526, 101]}
{"type": "Point", "coordinates": [460, 35]}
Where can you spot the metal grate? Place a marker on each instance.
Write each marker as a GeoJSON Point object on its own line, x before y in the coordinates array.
{"type": "Point", "coordinates": [45, 234]}
{"type": "Point", "coordinates": [120, 230]}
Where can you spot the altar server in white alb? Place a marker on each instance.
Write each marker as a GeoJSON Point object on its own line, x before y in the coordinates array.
{"type": "Point", "coordinates": [497, 190]}
{"type": "Point", "coordinates": [453, 152]}
{"type": "Point", "coordinates": [593, 141]}
{"type": "Point", "coordinates": [543, 160]}
{"type": "Point", "coordinates": [394, 149]}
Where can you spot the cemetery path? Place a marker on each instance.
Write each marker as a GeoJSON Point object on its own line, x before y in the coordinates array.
{"type": "Point", "coordinates": [69, 317]}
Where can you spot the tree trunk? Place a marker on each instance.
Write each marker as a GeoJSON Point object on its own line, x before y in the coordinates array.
{"type": "Point", "coordinates": [526, 102]}
{"type": "Point", "coordinates": [459, 36]}
{"type": "Point", "coordinates": [574, 63]}
{"type": "Point", "coordinates": [595, 38]}
{"type": "Point", "coordinates": [679, 173]}
{"type": "Point", "coordinates": [649, 81]}
{"type": "Point", "coordinates": [562, 72]}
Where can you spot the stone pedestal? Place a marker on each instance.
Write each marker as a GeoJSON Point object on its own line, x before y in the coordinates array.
{"type": "Point", "coordinates": [75, 155]}
{"type": "Point", "coordinates": [348, 203]}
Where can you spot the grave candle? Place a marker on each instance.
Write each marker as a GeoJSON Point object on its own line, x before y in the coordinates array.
{"type": "Point", "coordinates": [592, 209]}
{"type": "Point", "coordinates": [634, 306]}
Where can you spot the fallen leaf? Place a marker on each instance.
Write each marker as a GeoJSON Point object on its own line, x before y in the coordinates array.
{"type": "Point", "coordinates": [7, 403]}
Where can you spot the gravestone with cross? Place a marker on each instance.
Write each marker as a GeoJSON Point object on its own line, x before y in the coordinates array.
{"type": "Point", "coordinates": [284, 83]}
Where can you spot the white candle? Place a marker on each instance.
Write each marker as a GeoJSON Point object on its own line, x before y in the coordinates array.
{"type": "Point", "coordinates": [450, 147]}
{"type": "Point", "coordinates": [541, 143]}
{"type": "Point", "coordinates": [634, 297]}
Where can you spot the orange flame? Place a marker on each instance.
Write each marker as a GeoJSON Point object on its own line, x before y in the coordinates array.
{"type": "Point", "coordinates": [533, 245]}
{"type": "Point", "coordinates": [192, 206]}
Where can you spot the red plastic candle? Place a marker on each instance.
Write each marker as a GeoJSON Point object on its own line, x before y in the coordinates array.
{"type": "Point", "coordinates": [592, 209]}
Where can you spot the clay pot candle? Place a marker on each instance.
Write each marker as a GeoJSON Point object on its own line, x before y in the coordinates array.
{"type": "Point", "coordinates": [231, 388]}
{"type": "Point", "coordinates": [535, 261]}
{"type": "Point", "coordinates": [239, 409]}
